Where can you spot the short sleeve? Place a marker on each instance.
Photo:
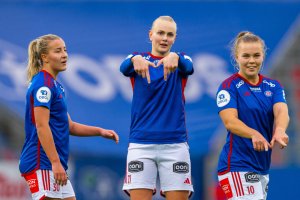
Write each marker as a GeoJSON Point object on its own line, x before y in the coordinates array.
{"type": "Point", "coordinates": [226, 98]}
{"type": "Point", "coordinates": [279, 94]}
{"type": "Point", "coordinates": [42, 96]}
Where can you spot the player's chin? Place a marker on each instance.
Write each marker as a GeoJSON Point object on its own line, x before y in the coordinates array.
{"type": "Point", "coordinates": [252, 73]}
{"type": "Point", "coordinates": [164, 51]}
{"type": "Point", "coordinates": [63, 68]}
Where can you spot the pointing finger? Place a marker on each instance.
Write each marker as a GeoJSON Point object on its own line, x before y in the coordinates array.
{"type": "Point", "coordinates": [148, 76]}
{"type": "Point", "coordinates": [151, 64]}
{"type": "Point", "coordinates": [282, 143]}
{"type": "Point", "coordinates": [159, 63]}
{"type": "Point", "coordinates": [165, 74]}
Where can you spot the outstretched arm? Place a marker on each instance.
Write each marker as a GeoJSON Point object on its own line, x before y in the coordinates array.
{"type": "Point", "coordinates": [42, 115]}
{"type": "Point", "coordinates": [232, 123]}
{"type": "Point", "coordinates": [78, 129]}
{"type": "Point", "coordinates": [280, 124]}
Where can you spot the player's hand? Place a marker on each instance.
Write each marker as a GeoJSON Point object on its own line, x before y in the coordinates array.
{"type": "Point", "coordinates": [110, 134]}
{"type": "Point", "coordinates": [141, 66]}
{"type": "Point", "coordinates": [280, 137]}
{"type": "Point", "coordinates": [170, 63]}
{"type": "Point", "coordinates": [59, 173]}
{"type": "Point", "coordinates": [259, 142]}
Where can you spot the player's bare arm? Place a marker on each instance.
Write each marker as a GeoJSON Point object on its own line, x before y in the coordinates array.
{"type": "Point", "coordinates": [77, 129]}
{"type": "Point", "coordinates": [280, 125]}
{"type": "Point", "coordinates": [42, 116]}
{"type": "Point", "coordinates": [232, 123]}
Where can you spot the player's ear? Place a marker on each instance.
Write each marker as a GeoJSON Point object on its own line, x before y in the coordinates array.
{"type": "Point", "coordinates": [150, 35]}
{"type": "Point", "coordinates": [44, 58]}
{"type": "Point", "coordinates": [175, 38]}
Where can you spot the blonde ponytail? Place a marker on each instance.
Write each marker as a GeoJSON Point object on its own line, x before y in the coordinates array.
{"type": "Point", "coordinates": [36, 48]}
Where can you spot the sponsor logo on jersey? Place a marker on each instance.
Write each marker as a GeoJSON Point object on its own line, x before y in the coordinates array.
{"type": "Point", "coordinates": [188, 58]}
{"type": "Point", "coordinates": [283, 94]}
{"type": "Point", "coordinates": [255, 89]}
{"type": "Point", "coordinates": [43, 95]}
{"type": "Point", "coordinates": [62, 89]}
{"type": "Point", "coordinates": [181, 167]}
{"type": "Point", "coordinates": [268, 93]}
{"type": "Point", "coordinates": [269, 83]}
{"type": "Point", "coordinates": [148, 57]}
{"type": "Point", "coordinates": [135, 166]}
{"type": "Point", "coordinates": [223, 98]}
{"type": "Point", "coordinates": [252, 177]}
{"type": "Point", "coordinates": [129, 56]}
{"type": "Point", "coordinates": [239, 84]}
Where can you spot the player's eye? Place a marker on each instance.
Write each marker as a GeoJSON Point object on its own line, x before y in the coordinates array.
{"type": "Point", "coordinates": [257, 55]}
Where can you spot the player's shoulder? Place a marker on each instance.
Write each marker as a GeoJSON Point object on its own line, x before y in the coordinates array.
{"type": "Point", "coordinates": [230, 81]}
{"type": "Point", "coordinates": [42, 79]}
{"type": "Point", "coordinates": [143, 54]}
{"type": "Point", "coordinates": [184, 56]}
{"type": "Point", "coordinates": [270, 82]}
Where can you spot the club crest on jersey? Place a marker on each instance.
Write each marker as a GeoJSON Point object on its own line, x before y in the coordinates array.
{"type": "Point", "coordinates": [268, 93]}
{"type": "Point", "coordinates": [223, 98]}
{"type": "Point", "coordinates": [43, 95]}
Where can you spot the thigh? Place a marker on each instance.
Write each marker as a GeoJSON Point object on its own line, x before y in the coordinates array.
{"type": "Point", "coordinates": [141, 194]}
{"type": "Point", "coordinates": [70, 198]}
{"type": "Point", "coordinates": [177, 195]}
{"type": "Point", "coordinates": [174, 168]}
{"type": "Point", "coordinates": [141, 170]}
{"type": "Point", "coordinates": [242, 185]}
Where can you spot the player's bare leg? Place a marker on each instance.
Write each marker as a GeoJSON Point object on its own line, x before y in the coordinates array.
{"type": "Point", "coordinates": [141, 194]}
{"type": "Point", "coordinates": [177, 195]}
{"type": "Point", "coordinates": [70, 198]}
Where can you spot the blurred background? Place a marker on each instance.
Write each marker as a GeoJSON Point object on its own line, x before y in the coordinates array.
{"type": "Point", "coordinates": [99, 34]}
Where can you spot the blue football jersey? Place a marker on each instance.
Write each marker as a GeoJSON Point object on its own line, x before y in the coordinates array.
{"type": "Point", "coordinates": [45, 91]}
{"type": "Point", "coordinates": [157, 112]}
{"type": "Point", "coordinates": [254, 104]}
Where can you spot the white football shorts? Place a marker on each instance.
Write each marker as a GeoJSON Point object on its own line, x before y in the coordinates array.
{"type": "Point", "coordinates": [171, 162]}
{"type": "Point", "coordinates": [42, 184]}
{"type": "Point", "coordinates": [244, 185]}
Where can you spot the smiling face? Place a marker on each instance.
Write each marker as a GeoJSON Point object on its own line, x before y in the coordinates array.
{"type": "Point", "coordinates": [249, 57]}
{"type": "Point", "coordinates": [162, 36]}
{"type": "Point", "coordinates": [55, 60]}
